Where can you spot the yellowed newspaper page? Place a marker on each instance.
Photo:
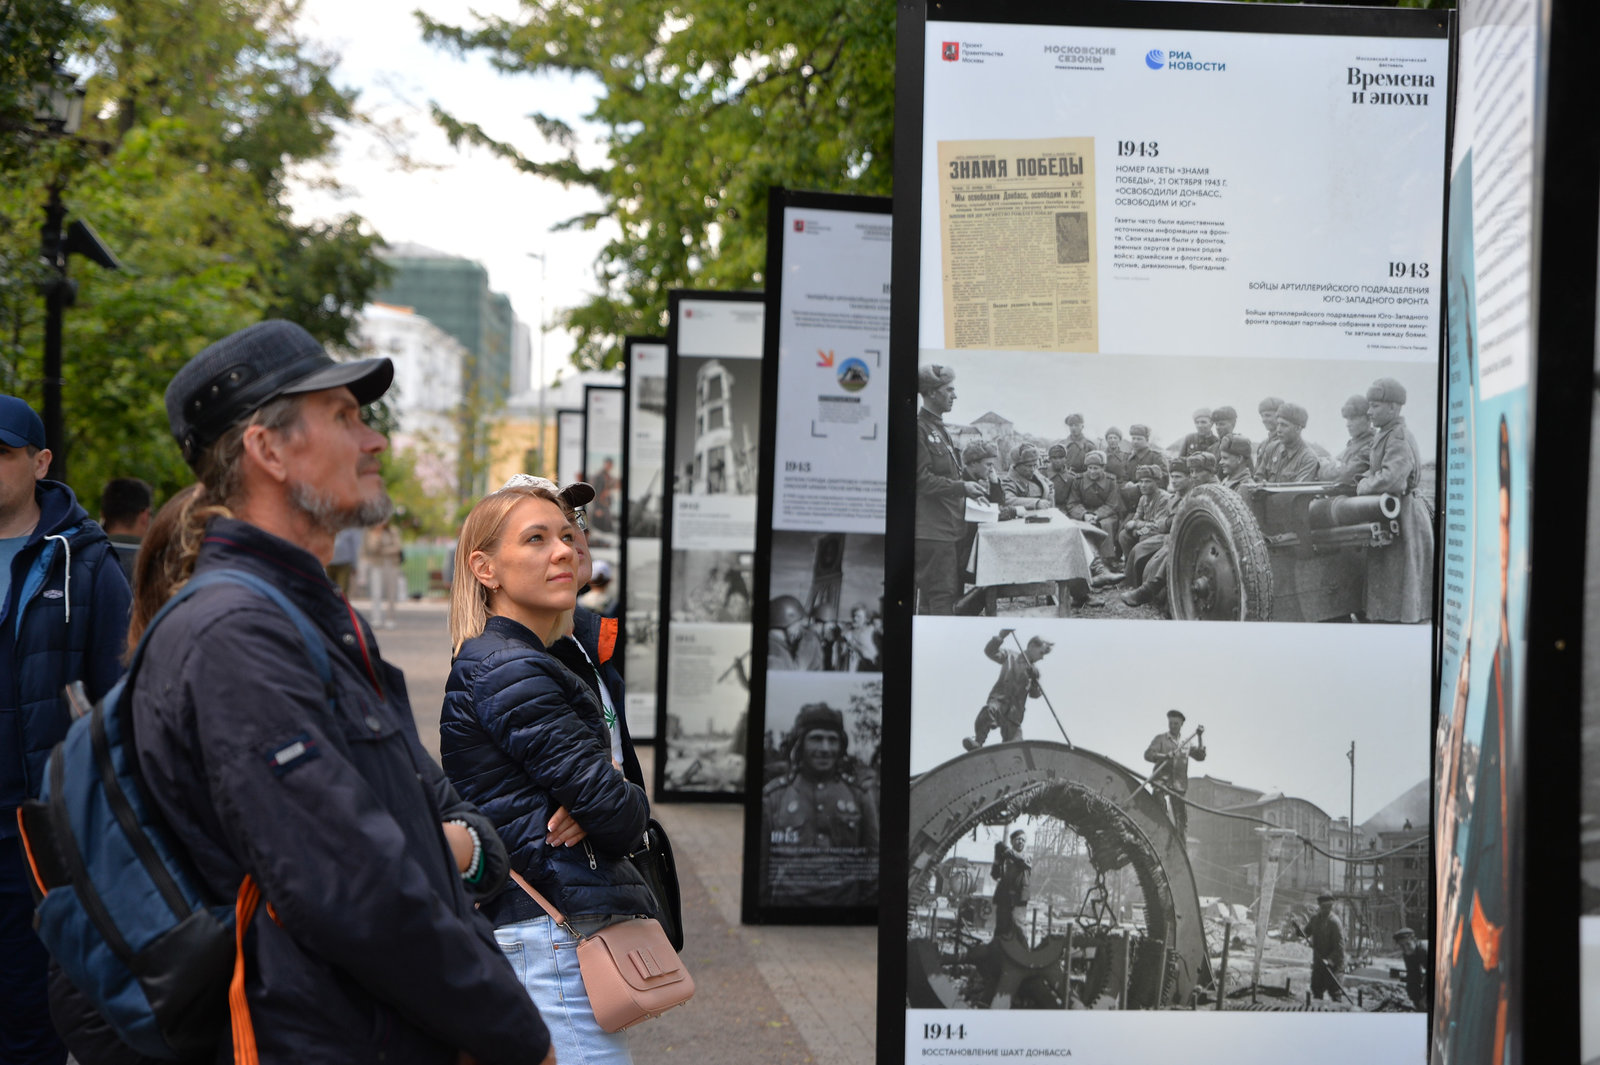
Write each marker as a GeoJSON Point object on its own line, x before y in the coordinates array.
{"type": "Point", "coordinates": [1019, 244]}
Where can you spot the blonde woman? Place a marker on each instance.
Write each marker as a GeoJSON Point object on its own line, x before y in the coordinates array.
{"type": "Point", "coordinates": [524, 739]}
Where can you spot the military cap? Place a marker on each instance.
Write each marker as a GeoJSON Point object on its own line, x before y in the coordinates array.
{"type": "Point", "coordinates": [933, 377]}
{"type": "Point", "coordinates": [784, 611]}
{"type": "Point", "coordinates": [1114, 431]}
{"type": "Point", "coordinates": [1058, 451]}
{"type": "Point", "coordinates": [1387, 390]}
{"type": "Point", "coordinates": [1201, 412]}
{"type": "Point", "coordinates": [1293, 412]}
{"type": "Point", "coordinates": [1324, 897]}
{"type": "Point", "coordinates": [1095, 458]}
{"type": "Point", "coordinates": [1234, 444]}
{"type": "Point", "coordinates": [244, 371]}
{"type": "Point", "coordinates": [1224, 414]}
{"type": "Point", "coordinates": [1074, 419]}
{"type": "Point", "coordinates": [1271, 403]}
{"type": "Point", "coordinates": [1177, 714]}
{"type": "Point", "coordinates": [1354, 407]}
{"type": "Point", "coordinates": [977, 451]}
{"type": "Point", "coordinates": [1403, 933]}
{"type": "Point", "coordinates": [1136, 429]}
{"type": "Point", "coordinates": [1025, 453]}
{"type": "Point", "coordinates": [1152, 472]}
{"type": "Point", "coordinates": [1040, 641]}
{"type": "Point", "coordinates": [1203, 460]}
{"type": "Point", "coordinates": [818, 715]}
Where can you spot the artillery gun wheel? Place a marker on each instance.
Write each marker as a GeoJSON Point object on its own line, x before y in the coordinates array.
{"type": "Point", "coordinates": [1219, 569]}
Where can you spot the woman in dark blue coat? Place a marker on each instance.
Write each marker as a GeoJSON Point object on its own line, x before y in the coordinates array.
{"type": "Point", "coordinates": [526, 741]}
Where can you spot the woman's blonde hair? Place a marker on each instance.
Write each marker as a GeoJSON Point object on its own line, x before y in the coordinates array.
{"type": "Point", "coordinates": [483, 531]}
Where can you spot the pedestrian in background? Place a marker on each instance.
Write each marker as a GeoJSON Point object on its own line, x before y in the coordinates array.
{"type": "Point", "coordinates": [381, 554]}
{"type": "Point", "coordinates": [346, 553]}
{"type": "Point", "coordinates": [64, 603]}
{"type": "Point", "coordinates": [125, 515]}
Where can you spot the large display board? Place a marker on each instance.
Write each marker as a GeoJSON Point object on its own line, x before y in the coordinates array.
{"type": "Point", "coordinates": [1152, 222]}
{"type": "Point", "coordinates": [709, 504]}
{"type": "Point", "coordinates": [604, 407]}
{"type": "Point", "coordinates": [569, 446]}
{"type": "Point", "coordinates": [816, 722]}
{"type": "Point", "coordinates": [644, 441]}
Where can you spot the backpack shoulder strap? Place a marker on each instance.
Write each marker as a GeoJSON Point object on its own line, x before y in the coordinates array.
{"type": "Point", "coordinates": [309, 633]}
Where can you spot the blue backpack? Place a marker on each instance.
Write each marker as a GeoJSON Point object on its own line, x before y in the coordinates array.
{"type": "Point", "coordinates": [120, 909]}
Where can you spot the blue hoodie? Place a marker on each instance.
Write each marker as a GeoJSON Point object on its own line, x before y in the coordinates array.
{"type": "Point", "coordinates": [64, 618]}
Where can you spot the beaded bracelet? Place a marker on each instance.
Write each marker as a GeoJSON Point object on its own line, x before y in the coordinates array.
{"type": "Point", "coordinates": [475, 867]}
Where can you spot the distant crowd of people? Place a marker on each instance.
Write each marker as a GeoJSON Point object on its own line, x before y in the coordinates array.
{"type": "Point", "coordinates": [1131, 490]}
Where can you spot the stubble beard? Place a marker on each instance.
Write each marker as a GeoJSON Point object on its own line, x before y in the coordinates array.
{"type": "Point", "coordinates": [327, 516]}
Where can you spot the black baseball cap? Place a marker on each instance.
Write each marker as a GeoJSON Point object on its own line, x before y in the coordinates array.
{"type": "Point", "coordinates": [244, 371]}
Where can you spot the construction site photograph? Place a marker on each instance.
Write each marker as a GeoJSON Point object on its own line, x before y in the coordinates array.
{"type": "Point", "coordinates": [1222, 828]}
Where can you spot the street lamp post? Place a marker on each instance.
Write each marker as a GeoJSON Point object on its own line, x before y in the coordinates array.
{"type": "Point", "coordinates": [542, 450]}
{"type": "Point", "coordinates": [59, 113]}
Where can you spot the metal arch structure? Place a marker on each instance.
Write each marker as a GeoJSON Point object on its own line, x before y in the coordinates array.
{"type": "Point", "coordinates": [1122, 823]}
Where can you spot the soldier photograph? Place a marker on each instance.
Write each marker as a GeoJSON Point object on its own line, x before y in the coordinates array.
{"type": "Point", "coordinates": [711, 586]}
{"type": "Point", "coordinates": [1024, 890]}
{"type": "Point", "coordinates": [826, 610]}
{"type": "Point", "coordinates": [1260, 530]}
{"type": "Point", "coordinates": [819, 793]}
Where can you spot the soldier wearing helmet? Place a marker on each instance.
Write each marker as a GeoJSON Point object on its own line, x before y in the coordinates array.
{"type": "Point", "coordinates": [791, 643]}
{"type": "Point", "coordinates": [1399, 575]}
{"type": "Point", "coordinates": [819, 823]}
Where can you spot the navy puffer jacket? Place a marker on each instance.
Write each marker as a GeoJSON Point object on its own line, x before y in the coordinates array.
{"type": "Point", "coordinates": [520, 736]}
{"type": "Point", "coordinates": [54, 630]}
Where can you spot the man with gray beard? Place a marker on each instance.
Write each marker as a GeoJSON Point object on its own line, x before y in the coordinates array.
{"type": "Point", "coordinates": [312, 787]}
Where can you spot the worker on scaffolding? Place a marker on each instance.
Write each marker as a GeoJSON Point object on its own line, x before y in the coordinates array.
{"type": "Point", "coordinates": [1418, 958]}
{"type": "Point", "coordinates": [1171, 753]}
{"type": "Point", "coordinates": [1008, 699]}
{"type": "Point", "coordinates": [1326, 936]}
{"type": "Point", "coordinates": [1010, 871]}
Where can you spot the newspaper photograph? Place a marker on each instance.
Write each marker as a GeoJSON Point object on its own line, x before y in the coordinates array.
{"type": "Point", "coordinates": [1018, 235]}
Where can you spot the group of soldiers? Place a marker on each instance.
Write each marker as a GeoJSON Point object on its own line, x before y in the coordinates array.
{"type": "Point", "coordinates": [1131, 492]}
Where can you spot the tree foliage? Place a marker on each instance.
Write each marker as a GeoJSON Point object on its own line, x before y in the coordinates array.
{"type": "Point", "coordinates": [196, 111]}
{"type": "Point", "coordinates": [704, 103]}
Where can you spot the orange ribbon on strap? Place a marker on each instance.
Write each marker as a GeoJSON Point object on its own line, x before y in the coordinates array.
{"type": "Point", "coordinates": [244, 1033]}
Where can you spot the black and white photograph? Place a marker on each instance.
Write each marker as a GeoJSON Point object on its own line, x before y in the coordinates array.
{"type": "Point", "coordinates": [711, 586]}
{"type": "Point", "coordinates": [643, 617]}
{"type": "Point", "coordinates": [820, 791]}
{"type": "Point", "coordinates": [1169, 836]}
{"type": "Point", "coordinates": [717, 434]}
{"type": "Point", "coordinates": [1124, 486]}
{"type": "Point", "coordinates": [709, 702]}
{"type": "Point", "coordinates": [826, 611]}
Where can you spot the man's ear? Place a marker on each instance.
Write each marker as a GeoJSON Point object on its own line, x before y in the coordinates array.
{"type": "Point", "coordinates": [41, 463]}
{"type": "Point", "coordinates": [265, 449]}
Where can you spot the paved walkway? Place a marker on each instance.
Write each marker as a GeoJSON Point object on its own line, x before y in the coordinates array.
{"type": "Point", "coordinates": [765, 995]}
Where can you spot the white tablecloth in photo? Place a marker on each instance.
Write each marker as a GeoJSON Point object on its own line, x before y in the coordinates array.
{"type": "Point", "coordinates": [1022, 552]}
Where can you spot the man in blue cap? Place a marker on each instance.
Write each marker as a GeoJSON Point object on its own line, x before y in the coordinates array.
{"type": "Point", "coordinates": [63, 618]}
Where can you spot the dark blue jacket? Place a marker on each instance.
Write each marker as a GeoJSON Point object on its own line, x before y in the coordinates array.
{"type": "Point", "coordinates": [520, 736]}
{"type": "Point", "coordinates": [53, 631]}
{"type": "Point", "coordinates": [599, 636]}
{"type": "Point", "coordinates": [380, 955]}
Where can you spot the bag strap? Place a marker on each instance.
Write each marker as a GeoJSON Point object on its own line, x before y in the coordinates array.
{"type": "Point", "coordinates": [244, 1032]}
{"type": "Point", "coordinates": [544, 904]}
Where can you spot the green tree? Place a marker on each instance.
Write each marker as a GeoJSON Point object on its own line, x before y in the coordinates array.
{"type": "Point", "coordinates": [196, 112]}
{"type": "Point", "coordinates": [705, 103]}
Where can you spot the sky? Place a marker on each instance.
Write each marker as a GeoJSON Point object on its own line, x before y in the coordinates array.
{"type": "Point", "coordinates": [464, 202]}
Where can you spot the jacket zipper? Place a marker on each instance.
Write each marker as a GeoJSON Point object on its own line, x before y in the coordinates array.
{"type": "Point", "coordinates": [590, 852]}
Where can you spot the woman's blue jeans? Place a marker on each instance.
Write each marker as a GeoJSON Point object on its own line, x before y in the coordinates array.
{"type": "Point", "coordinates": [545, 958]}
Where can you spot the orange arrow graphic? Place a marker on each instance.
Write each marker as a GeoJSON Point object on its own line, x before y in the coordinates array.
{"type": "Point", "coordinates": [824, 358]}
